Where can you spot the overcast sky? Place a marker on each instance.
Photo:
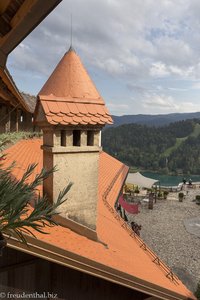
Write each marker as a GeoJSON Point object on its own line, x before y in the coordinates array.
{"type": "Point", "coordinates": [143, 55]}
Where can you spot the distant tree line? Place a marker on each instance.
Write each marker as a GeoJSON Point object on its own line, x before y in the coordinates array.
{"type": "Point", "coordinates": [144, 147]}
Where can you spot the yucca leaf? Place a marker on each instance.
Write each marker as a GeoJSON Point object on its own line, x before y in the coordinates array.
{"type": "Point", "coordinates": [15, 195]}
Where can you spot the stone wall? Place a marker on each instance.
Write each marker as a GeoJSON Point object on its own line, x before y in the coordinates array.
{"type": "Point", "coordinates": [77, 164]}
{"type": "Point", "coordinates": [80, 168]}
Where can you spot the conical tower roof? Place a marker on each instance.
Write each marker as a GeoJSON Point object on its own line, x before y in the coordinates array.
{"type": "Point", "coordinates": [70, 97]}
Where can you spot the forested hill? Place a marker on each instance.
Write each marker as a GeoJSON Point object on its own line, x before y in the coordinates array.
{"type": "Point", "coordinates": [154, 120]}
{"type": "Point", "coordinates": [173, 148]}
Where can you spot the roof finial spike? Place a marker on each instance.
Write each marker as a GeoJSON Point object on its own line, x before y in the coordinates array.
{"type": "Point", "coordinates": [71, 32]}
{"type": "Point", "coordinates": [71, 35]}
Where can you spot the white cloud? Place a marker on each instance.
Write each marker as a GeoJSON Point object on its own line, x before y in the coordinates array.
{"type": "Point", "coordinates": [178, 89]}
{"type": "Point", "coordinates": [112, 66]}
{"type": "Point", "coordinates": [158, 69]}
{"type": "Point", "coordinates": [136, 42]}
{"type": "Point", "coordinates": [161, 102]}
{"type": "Point", "coordinates": [196, 85]}
{"type": "Point", "coordinates": [118, 109]}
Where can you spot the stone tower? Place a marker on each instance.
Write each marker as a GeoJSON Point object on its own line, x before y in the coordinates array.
{"type": "Point", "coordinates": [71, 113]}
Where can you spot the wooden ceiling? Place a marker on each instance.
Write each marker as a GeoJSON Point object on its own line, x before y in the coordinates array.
{"type": "Point", "coordinates": [8, 10]}
{"type": "Point", "coordinates": [17, 19]}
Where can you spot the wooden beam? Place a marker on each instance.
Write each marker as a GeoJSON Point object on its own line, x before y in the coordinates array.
{"type": "Point", "coordinates": [6, 95]}
{"type": "Point", "coordinates": [3, 5]}
{"type": "Point", "coordinates": [152, 298]}
{"type": "Point", "coordinates": [9, 12]}
{"type": "Point", "coordinates": [7, 100]}
{"type": "Point", "coordinates": [21, 12]}
{"type": "Point", "coordinates": [4, 26]}
{"type": "Point", "coordinates": [38, 10]}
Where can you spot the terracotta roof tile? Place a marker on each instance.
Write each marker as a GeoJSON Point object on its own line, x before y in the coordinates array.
{"type": "Point", "coordinates": [95, 119]}
{"type": "Point", "coordinates": [101, 122]}
{"type": "Point", "coordinates": [127, 256]}
{"type": "Point", "coordinates": [67, 119]}
{"type": "Point", "coordinates": [56, 119]}
{"type": "Point", "coordinates": [70, 91]}
{"type": "Point", "coordinates": [60, 114]}
{"type": "Point", "coordinates": [82, 109]}
{"type": "Point", "coordinates": [101, 110]}
{"type": "Point", "coordinates": [53, 122]}
{"type": "Point", "coordinates": [53, 107]}
{"type": "Point", "coordinates": [77, 119]}
{"type": "Point", "coordinates": [62, 106]}
{"type": "Point", "coordinates": [73, 122]}
{"type": "Point", "coordinates": [80, 115]}
{"type": "Point", "coordinates": [49, 114]}
{"type": "Point", "coordinates": [83, 113]}
{"type": "Point", "coordinates": [72, 107]}
{"type": "Point", "coordinates": [69, 114]}
{"type": "Point", "coordinates": [86, 119]}
{"type": "Point", "coordinates": [46, 109]}
{"type": "Point", "coordinates": [92, 109]}
{"type": "Point", "coordinates": [103, 119]}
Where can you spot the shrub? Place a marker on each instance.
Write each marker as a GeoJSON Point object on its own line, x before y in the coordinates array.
{"type": "Point", "coordinates": [197, 199]}
{"type": "Point", "coordinates": [165, 193]}
{"type": "Point", "coordinates": [137, 190]}
{"type": "Point", "coordinates": [197, 292]}
{"type": "Point", "coordinates": [180, 196]}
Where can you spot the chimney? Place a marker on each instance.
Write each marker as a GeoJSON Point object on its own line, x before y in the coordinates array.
{"type": "Point", "coordinates": [71, 113]}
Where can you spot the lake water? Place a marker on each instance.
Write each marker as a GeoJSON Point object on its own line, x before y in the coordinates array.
{"type": "Point", "coordinates": [167, 180]}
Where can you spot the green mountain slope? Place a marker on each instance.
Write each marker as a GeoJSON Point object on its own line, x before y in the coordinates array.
{"type": "Point", "coordinates": [172, 148]}
{"type": "Point", "coordinates": [179, 141]}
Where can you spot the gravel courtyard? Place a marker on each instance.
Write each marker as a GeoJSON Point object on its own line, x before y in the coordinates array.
{"type": "Point", "coordinates": [163, 229]}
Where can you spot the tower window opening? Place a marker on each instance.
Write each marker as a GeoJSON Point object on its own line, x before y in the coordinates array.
{"type": "Point", "coordinates": [76, 138]}
{"type": "Point", "coordinates": [63, 138]}
{"type": "Point", "coordinates": [90, 138]}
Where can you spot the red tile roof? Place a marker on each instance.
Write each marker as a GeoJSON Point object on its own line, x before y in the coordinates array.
{"type": "Point", "coordinates": [123, 252]}
{"type": "Point", "coordinates": [69, 97]}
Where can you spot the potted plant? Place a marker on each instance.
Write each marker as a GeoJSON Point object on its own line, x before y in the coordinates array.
{"type": "Point", "coordinates": [160, 194]}
{"type": "Point", "coordinates": [180, 197]}
{"type": "Point", "coordinates": [197, 199]}
{"type": "Point", "coordinates": [137, 190]}
{"type": "Point", "coordinates": [165, 193]}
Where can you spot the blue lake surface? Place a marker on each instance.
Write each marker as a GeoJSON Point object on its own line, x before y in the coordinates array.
{"type": "Point", "coordinates": [167, 180]}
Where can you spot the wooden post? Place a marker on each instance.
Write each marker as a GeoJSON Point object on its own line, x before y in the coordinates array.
{"type": "Point", "coordinates": [17, 120]}
{"type": "Point", "coordinates": [7, 127]}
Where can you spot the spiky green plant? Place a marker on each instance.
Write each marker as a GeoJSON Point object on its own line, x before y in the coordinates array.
{"type": "Point", "coordinates": [16, 218]}
{"type": "Point", "coordinates": [197, 292]}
